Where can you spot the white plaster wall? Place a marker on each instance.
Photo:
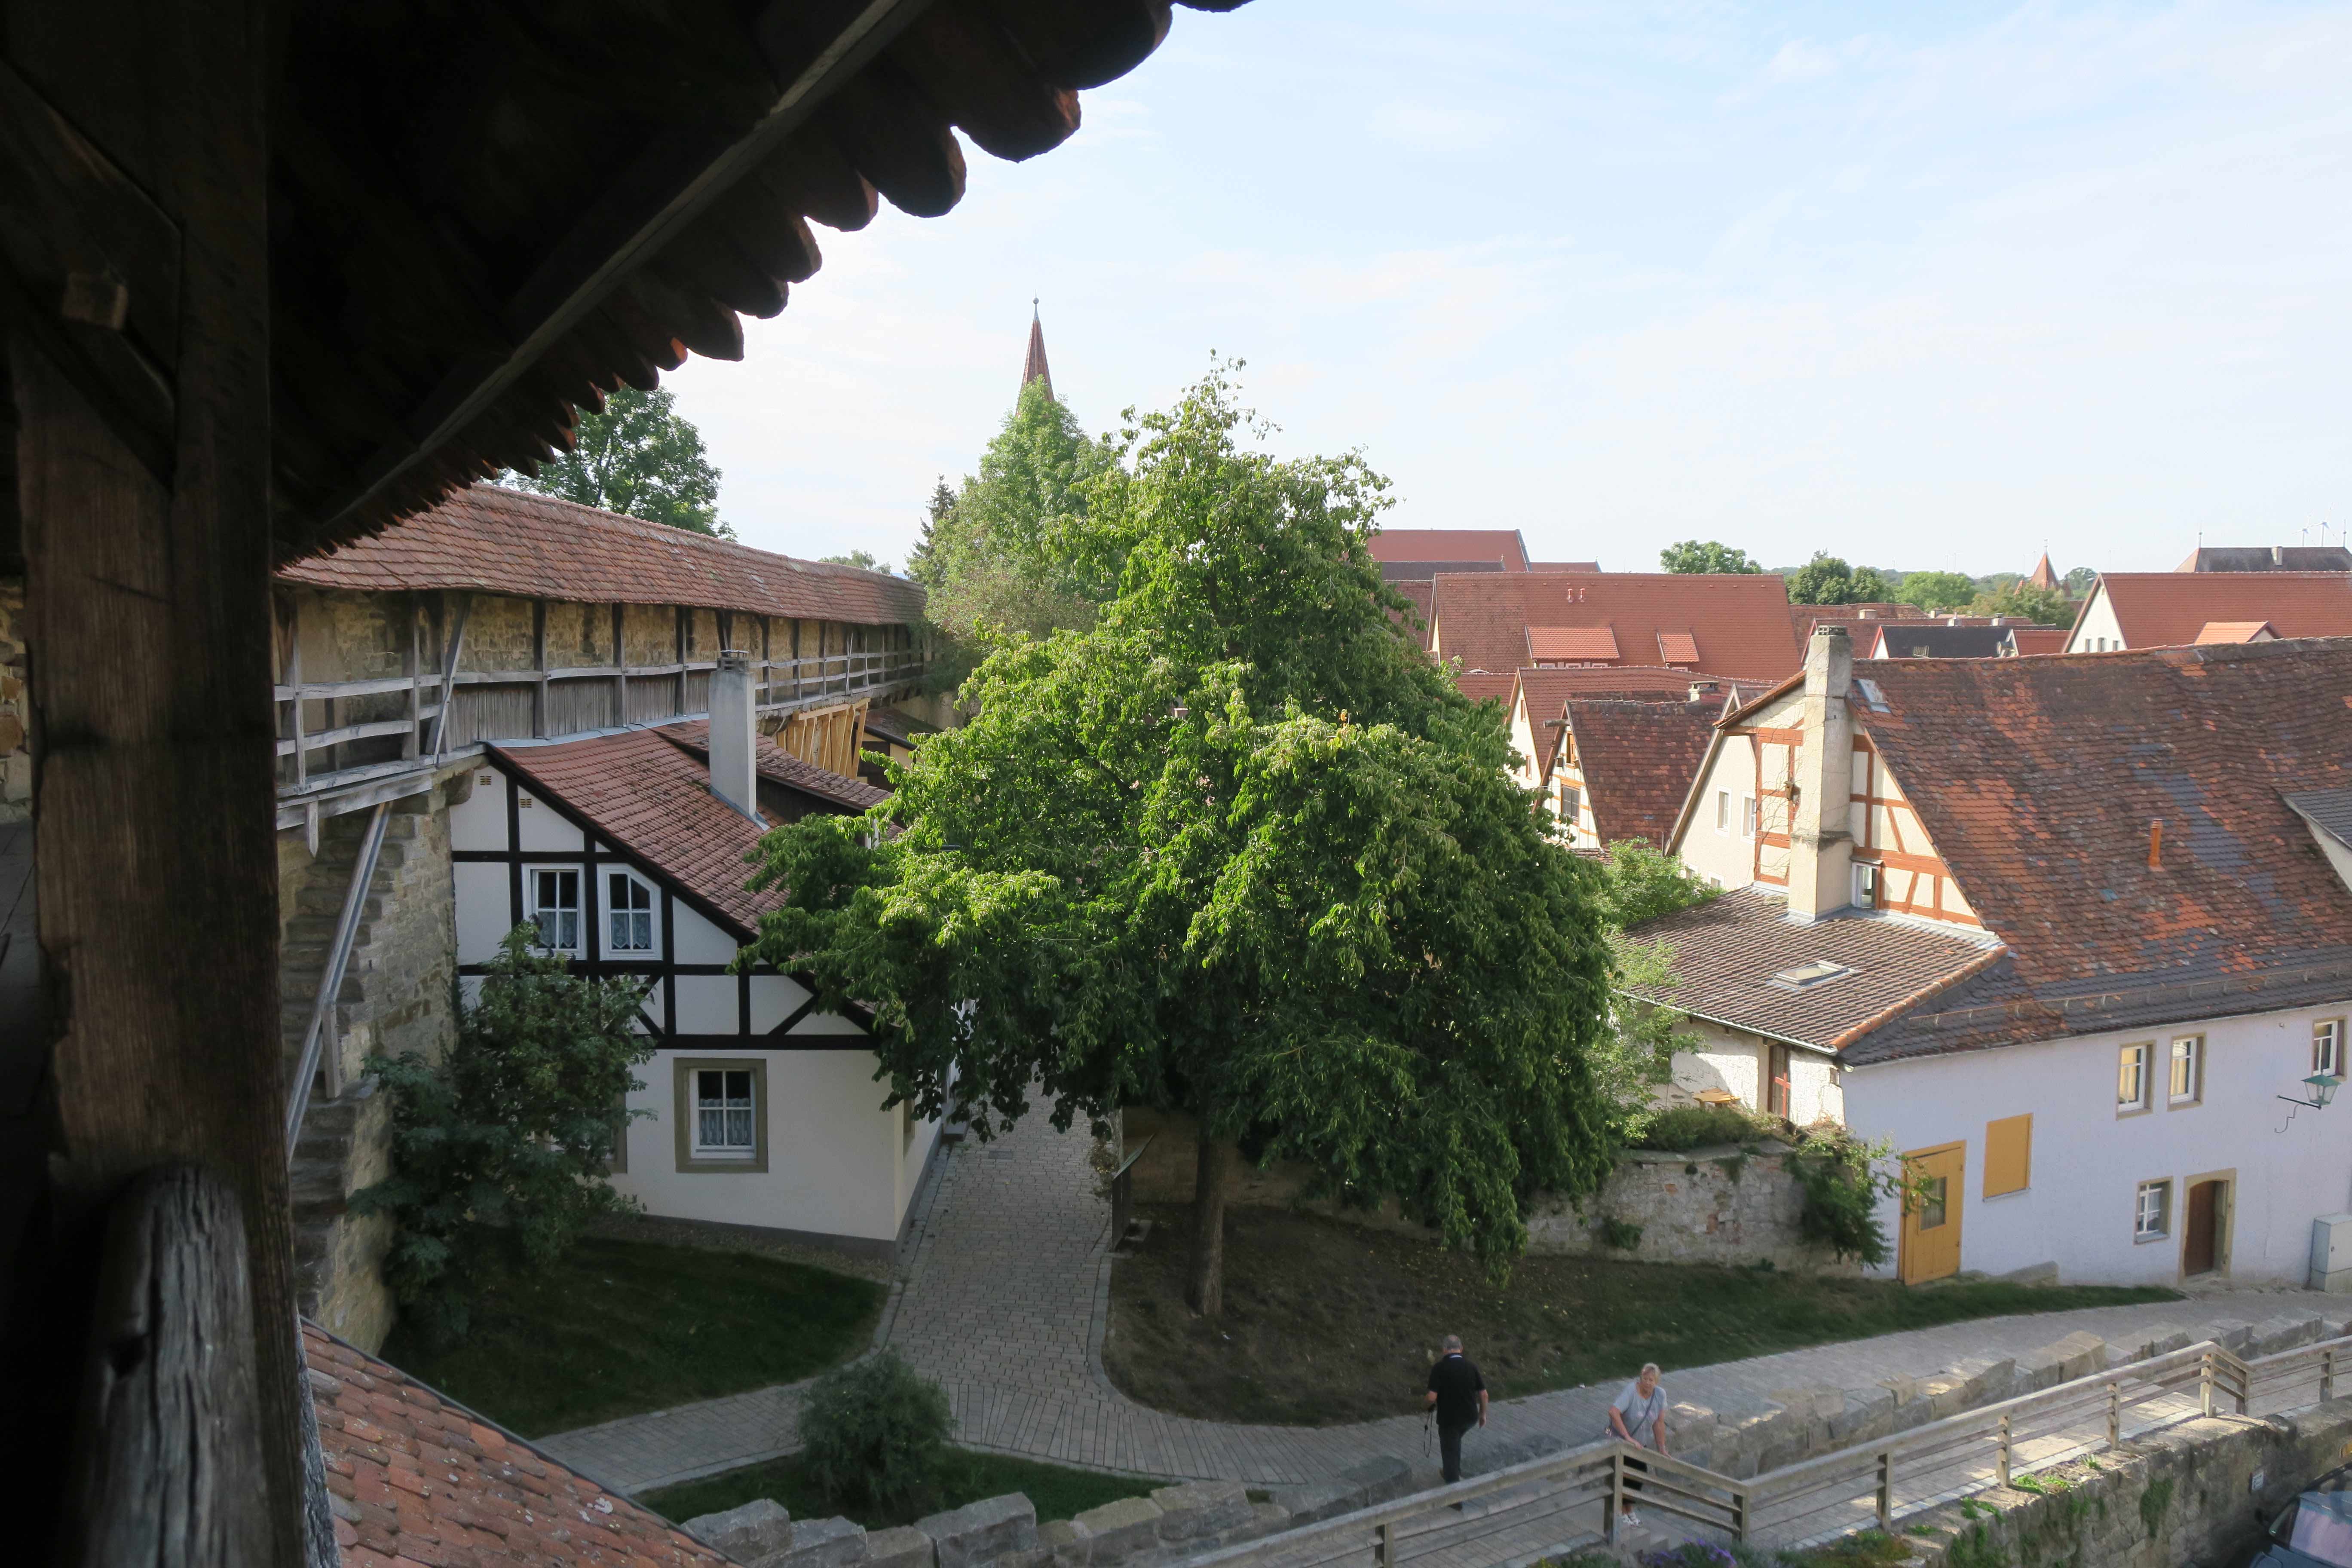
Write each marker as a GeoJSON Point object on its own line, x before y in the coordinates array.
{"type": "Point", "coordinates": [705, 1004]}
{"type": "Point", "coordinates": [2089, 1162]}
{"type": "Point", "coordinates": [2096, 628]}
{"type": "Point", "coordinates": [1734, 1061]}
{"type": "Point", "coordinates": [1529, 772]}
{"type": "Point", "coordinates": [480, 821]}
{"type": "Point", "coordinates": [541, 826]}
{"type": "Point", "coordinates": [699, 940]}
{"type": "Point", "coordinates": [483, 904]}
{"type": "Point", "coordinates": [1726, 859]}
{"type": "Point", "coordinates": [833, 1152]}
{"type": "Point", "coordinates": [774, 999]}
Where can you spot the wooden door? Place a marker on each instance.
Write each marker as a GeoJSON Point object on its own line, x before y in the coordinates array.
{"type": "Point", "coordinates": [2200, 1249]}
{"type": "Point", "coordinates": [1930, 1244]}
{"type": "Point", "coordinates": [1775, 1084]}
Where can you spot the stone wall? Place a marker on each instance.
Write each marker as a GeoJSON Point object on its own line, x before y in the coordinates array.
{"type": "Point", "coordinates": [15, 707]}
{"type": "Point", "coordinates": [2203, 1492]}
{"type": "Point", "coordinates": [1708, 1205]}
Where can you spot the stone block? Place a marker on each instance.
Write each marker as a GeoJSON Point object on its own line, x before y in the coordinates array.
{"type": "Point", "coordinates": [1905, 1387]}
{"type": "Point", "coordinates": [2064, 1361]}
{"type": "Point", "coordinates": [1816, 1401]}
{"type": "Point", "coordinates": [1689, 1425]}
{"type": "Point", "coordinates": [1201, 1508]}
{"type": "Point", "coordinates": [820, 1544]}
{"type": "Point", "coordinates": [1378, 1479]}
{"type": "Point", "coordinates": [1265, 1519]}
{"type": "Point", "coordinates": [755, 1529]}
{"type": "Point", "coordinates": [983, 1531]}
{"type": "Point", "coordinates": [1989, 1380]}
{"type": "Point", "coordinates": [1314, 1502]}
{"type": "Point", "coordinates": [2232, 1334]}
{"type": "Point", "coordinates": [2284, 1333]}
{"type": "Point", "coordinates": [900, 1546]}
{"type": "Point", "coordinates": [1487, 1458]}
{"type": "Point", "coordinates": [1119, 1531]}
{"type": "Point", "coordinates": [1869, 1413]}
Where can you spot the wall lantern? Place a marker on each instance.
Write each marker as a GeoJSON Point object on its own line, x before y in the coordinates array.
{"type": "Point", "coordinates": [2323, 1087]}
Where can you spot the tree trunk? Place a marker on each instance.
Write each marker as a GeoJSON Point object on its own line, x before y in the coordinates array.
{"type": "Point", "coordinates": [1211, 1180]}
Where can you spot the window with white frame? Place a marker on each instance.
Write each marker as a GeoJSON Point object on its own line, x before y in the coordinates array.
{"type": "Point", "coordinates": [1748, 817]}
{"type": "Point", "coordinates": [1571, 806]}
{"type": "Point", "coordinates": [1722, 811]}
{"type": "Point", "coordinates": [2152, 1211]}
{"type": "Point", "coordinates": [554, 907]}
{"type": "Point", "coordinates": [2186, 1083]}
{"type": "Point", "coordinates": [2327, 1047]}
{"type": "Point", "coordinates": [723, 1106]}
{"type": "Point", "coordinates": [629, 914]}
{"type": "Point", "coordinates": [2131, 1077]}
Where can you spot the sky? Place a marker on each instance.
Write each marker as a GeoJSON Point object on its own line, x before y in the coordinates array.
{"type": "Point", "coordinates": [1931, 287]}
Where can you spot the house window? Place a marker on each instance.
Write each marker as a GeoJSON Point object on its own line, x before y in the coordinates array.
{"type": "Point", "coordinates": [2187, 1082]}
{"type": "Point", "coordinates": [2327, 1047]}
{"type": "Point", "coordinates": [630, 914]}
{"type": "Point", "coordinates": [1722, 811]}
{"type": "Point", "coordinates": [2152, 1212]}
{"type": "Point", "coordinates": [555, 909]}
{"type": "Point", "coordinates": [2131, 1077]}
{"type": "Point", "coordinates": [1748, 817]}
{"type": "Point", "coordinates": [1865, 885]}
{"type": "Point", "coordinates": [1571, 805]}
{"type": "Point", "coordinates": [722, 1121]}
{"type": "Point", "coordinates": [1934, 1197]}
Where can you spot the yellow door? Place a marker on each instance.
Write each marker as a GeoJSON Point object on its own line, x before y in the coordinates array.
{"type": "Point", "coordinates": [1930, 1245]}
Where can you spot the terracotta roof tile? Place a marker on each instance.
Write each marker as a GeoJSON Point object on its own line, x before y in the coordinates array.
{"type": "Point", "coordinates": [2234, 631]}
{"type": "Point", "coordinates": [1483, 685]}
{"type": "Point", "coordinates": [2029, 640]}
{"type": "Point", "coordinates": [2167, 609]}
{"type": "Point", "coordinates": [780, 766]}
{"type": "Point", "coordinates": [1740, 621]}
{"type": "Point", "coordinates": [1728, 953]}
{"type": "Point", "coordinates": [494, 541]}
{"type": "Point", "coordinates": [1933, 639]}
{"type": "Point", "coordinates": [1563, 565]}
{"type": "Point", "coordinates": [413, 1479]}
{"type": "Point", "coordinates": [1419, 593]}
{"type": "Point", "coordinates": [1583, 644]}
{"type": "Point", "coordinates": [1638, 760]}
{"type": "Point", "coordinates": [1502, 544]}
{"type": "Point", "coordinates": [653, 798]}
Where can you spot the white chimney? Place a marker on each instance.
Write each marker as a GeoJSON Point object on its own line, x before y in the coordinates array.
{"type": "Point", "coordinates": [734, 770]}
{"type": "Point", "coordinates": [1820, 842]}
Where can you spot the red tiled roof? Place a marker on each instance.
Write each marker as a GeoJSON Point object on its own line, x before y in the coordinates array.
{"type": "Point", "coordinates": [2232, 631]}
{"type": "Point", "coordinates": [652, 799]}
{"type": "Point", "coordinates": [413, 1478]}
{"type": "Point", "coordinates": [2044, 575]}
{"type": "Point", "coordinates": [1563, 565]}
{"type": "Point", "coordinates": [2039, 639]}
{"type": "Point", "coordinates": [1584, 643]}
{"type": "Point", "coordinates": [1740, 620]}
{"type": "Point", "coordinates": [1482, 684]}
{"type": "Point", "coordinates": [494, 541]}
{"type": "Point", "coordinates": [1419, 592]}
{"type": "Point", "coordinates": [1553, 685]}
{"type": "Point", "coordinates": [1678, 648]}
{"type": "Point", "coordinates": [1638, 760]}
{"type": "Point", "coordinates": [780, 766]}
{"type": "Point", "coordinates": [1857, 618]}
{"type": "Point", "coordinates": [2167, 609]}
{"type": "Point", "coordinates": [1727, 952]}
{"type": "Point", "coordinates": [2272, 558]}
{"type": "Point", "coordinates": [1452, 544]}
{"type": "Point", "coordinates": [2037, 780]}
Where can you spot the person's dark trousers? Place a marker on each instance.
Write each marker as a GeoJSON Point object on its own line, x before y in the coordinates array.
{"type": "Point", "coordinates": [1449, 1450]}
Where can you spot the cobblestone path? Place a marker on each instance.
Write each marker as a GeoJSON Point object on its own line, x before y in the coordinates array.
{"type": "Point", "coordinates": [1002, 1297]}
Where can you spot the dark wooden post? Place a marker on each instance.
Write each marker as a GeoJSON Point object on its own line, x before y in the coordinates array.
{"type": "Point", "coordinates": [148, 555]}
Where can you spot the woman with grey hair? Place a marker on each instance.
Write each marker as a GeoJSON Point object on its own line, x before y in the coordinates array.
{"type": "Point", "coordinates": [1638, 1415]}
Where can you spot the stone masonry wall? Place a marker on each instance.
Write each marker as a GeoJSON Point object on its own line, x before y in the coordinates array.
{"type": "Point", "coordinates": [1708, 1205]}
{"type": "Point", "coordinates": [15, 707]}
{"type": "Point", "coordinates": [2203, 1492]}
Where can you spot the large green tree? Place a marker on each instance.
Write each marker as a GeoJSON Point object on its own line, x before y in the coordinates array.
{"type": "Point", "coordinates": [638, 456]}
{"type": "Point", "coordinates": [1944, 591]}
{"type": "Point", "coordinates": [1827, 580]}
{"type": "Point", "coordinates": [1706, 555]}
{"type": "Point", "coordinates": [1237, 848]}
{"type": "Point", "coordinates": [2021, 601]}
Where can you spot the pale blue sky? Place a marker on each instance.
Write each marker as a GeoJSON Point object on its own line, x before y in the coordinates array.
{"type": "Point", "coordinates": [1924, 286]}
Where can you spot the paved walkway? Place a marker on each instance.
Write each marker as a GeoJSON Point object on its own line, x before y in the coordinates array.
{"type": "Point", "coordinates": [1004, 1296]}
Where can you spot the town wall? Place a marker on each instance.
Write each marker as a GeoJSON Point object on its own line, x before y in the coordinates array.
{"type": "Point", "coordinates": [15, 707]}
{"type": "Point", "coordinates": [1725, 1205]}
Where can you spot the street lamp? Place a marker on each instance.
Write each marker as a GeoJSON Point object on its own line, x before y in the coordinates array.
{"type": "Point", "coordinates": [2323, 1087]}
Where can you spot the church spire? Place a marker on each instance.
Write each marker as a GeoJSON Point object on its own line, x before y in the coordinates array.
{"type": "Point", "coordinates": [1033, 367]}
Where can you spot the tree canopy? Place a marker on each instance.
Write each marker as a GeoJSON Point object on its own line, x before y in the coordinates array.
{"type": "Point", "coordinates": [639, 458]}
{"type": "Point", "coordinates": [1827, 580]}
{"type": "Point", "coordinates": [2020, 600]}
{"type": "Point", "coordinates": [1236, 847]}
{"type": "Point", "coordinates": [1944, 591]}
{"type": "Point", "coordinates": [863, 559]}
{"type": "Point", "coordinates": [1706, 555]}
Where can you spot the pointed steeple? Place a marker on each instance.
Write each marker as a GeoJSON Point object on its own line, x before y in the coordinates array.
{"type": "Point", "coordinates": [1033, 367]}
{"type": "Point", "coordinates": [2044, 577]}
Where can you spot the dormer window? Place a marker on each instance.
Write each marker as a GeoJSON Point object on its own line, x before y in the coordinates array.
{"type": "Point", "coordinates": [1809, 976]}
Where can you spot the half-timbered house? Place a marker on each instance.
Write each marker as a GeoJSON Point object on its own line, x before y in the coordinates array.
{"type": "Point", "coordinates": [2064, 930]}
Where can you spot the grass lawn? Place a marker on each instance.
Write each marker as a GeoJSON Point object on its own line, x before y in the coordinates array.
{"type": "Point", "coordinates": [619, 1327]}
{"type": "Point", "coordinates": [1327, 1321]}
{"type": "Point", "coordinates": [972, 1475]}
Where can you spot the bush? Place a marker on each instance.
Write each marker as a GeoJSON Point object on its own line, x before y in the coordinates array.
{"type": "Point", "coordinates": [1639, 883]}
{"type": "Point", "coordinates": [874, 1435]}
{"type": "Point", "coordinates": [1684, 1127]}
{"type": "Point", "coordinates": [498, 1152]}
{"type": "Point", "coordinates": [1623, 1234]}
{"type": "Point", "coordinates": [1843, 1183]}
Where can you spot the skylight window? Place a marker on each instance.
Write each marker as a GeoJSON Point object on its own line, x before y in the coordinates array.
{"type": "Point", "coordinates": [1811, 977]}
{"type": "Point", "coordinates": [1871, 695]}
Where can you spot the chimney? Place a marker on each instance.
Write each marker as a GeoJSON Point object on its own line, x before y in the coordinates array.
{"type": "Point", "coordinates": [734, 771]}
{"type": "Point", "coordinates": [1820, 843]}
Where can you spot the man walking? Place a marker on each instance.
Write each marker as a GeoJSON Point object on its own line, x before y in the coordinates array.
{"type": "Point", "coordinates": [1458, 1395]}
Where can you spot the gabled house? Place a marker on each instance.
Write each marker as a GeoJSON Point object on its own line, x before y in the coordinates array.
{"type": "Point", "coordinates": [2181, 609]}
{"type": "Point", "coordinates": [1934, 639]}
{"type": "Point", "coordinates": [1538, 697]}
{"type": "Point", "coordinates": [628, 853]}
{"type": "Point", "coordinates": [2064, 930]}
{"type": "Point", "coordinates": [1623, 769]}
{"type": "Point", "coordinates": [2268, 558]}
{"type": "Point", "coordinates": [1726, 625]}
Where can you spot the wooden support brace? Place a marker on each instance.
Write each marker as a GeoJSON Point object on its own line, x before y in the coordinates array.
{"type": "Point", "coordinates": [2005, 1448]}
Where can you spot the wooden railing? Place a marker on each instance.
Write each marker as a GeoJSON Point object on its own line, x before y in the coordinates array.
{"type": "Point", "coordinates": [1533, 1507]}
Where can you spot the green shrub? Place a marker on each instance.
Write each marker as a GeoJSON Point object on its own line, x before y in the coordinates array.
{"type": "Point", "coordinates": [874, 1435]}
{"type": "Point", "coordinates": [1844, 1179]}
{"type": "Point", "coordinates": [1684, 1127]}
{"type": "Point", "coordinates": [498, 1151]}
{"type": "Point", "coordinates": [1623, 1234]}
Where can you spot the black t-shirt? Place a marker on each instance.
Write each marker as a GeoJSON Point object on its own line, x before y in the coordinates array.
{"type": "Point", "coordinates": [1457, 1385]}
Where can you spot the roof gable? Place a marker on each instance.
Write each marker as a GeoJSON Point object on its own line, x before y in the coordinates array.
{"type": "Point", "coordinates": [1482, 545]}
{"type": "Point", "coordinates": [2168, 609]}
{"type": "Point", "coordinates": [1639, 759]}
{"type": "Point", "coordinates": [1740, 620]}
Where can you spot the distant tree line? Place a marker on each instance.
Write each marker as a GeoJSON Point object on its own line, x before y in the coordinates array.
{"type": "Point", "coordinates": [1828, 580]}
